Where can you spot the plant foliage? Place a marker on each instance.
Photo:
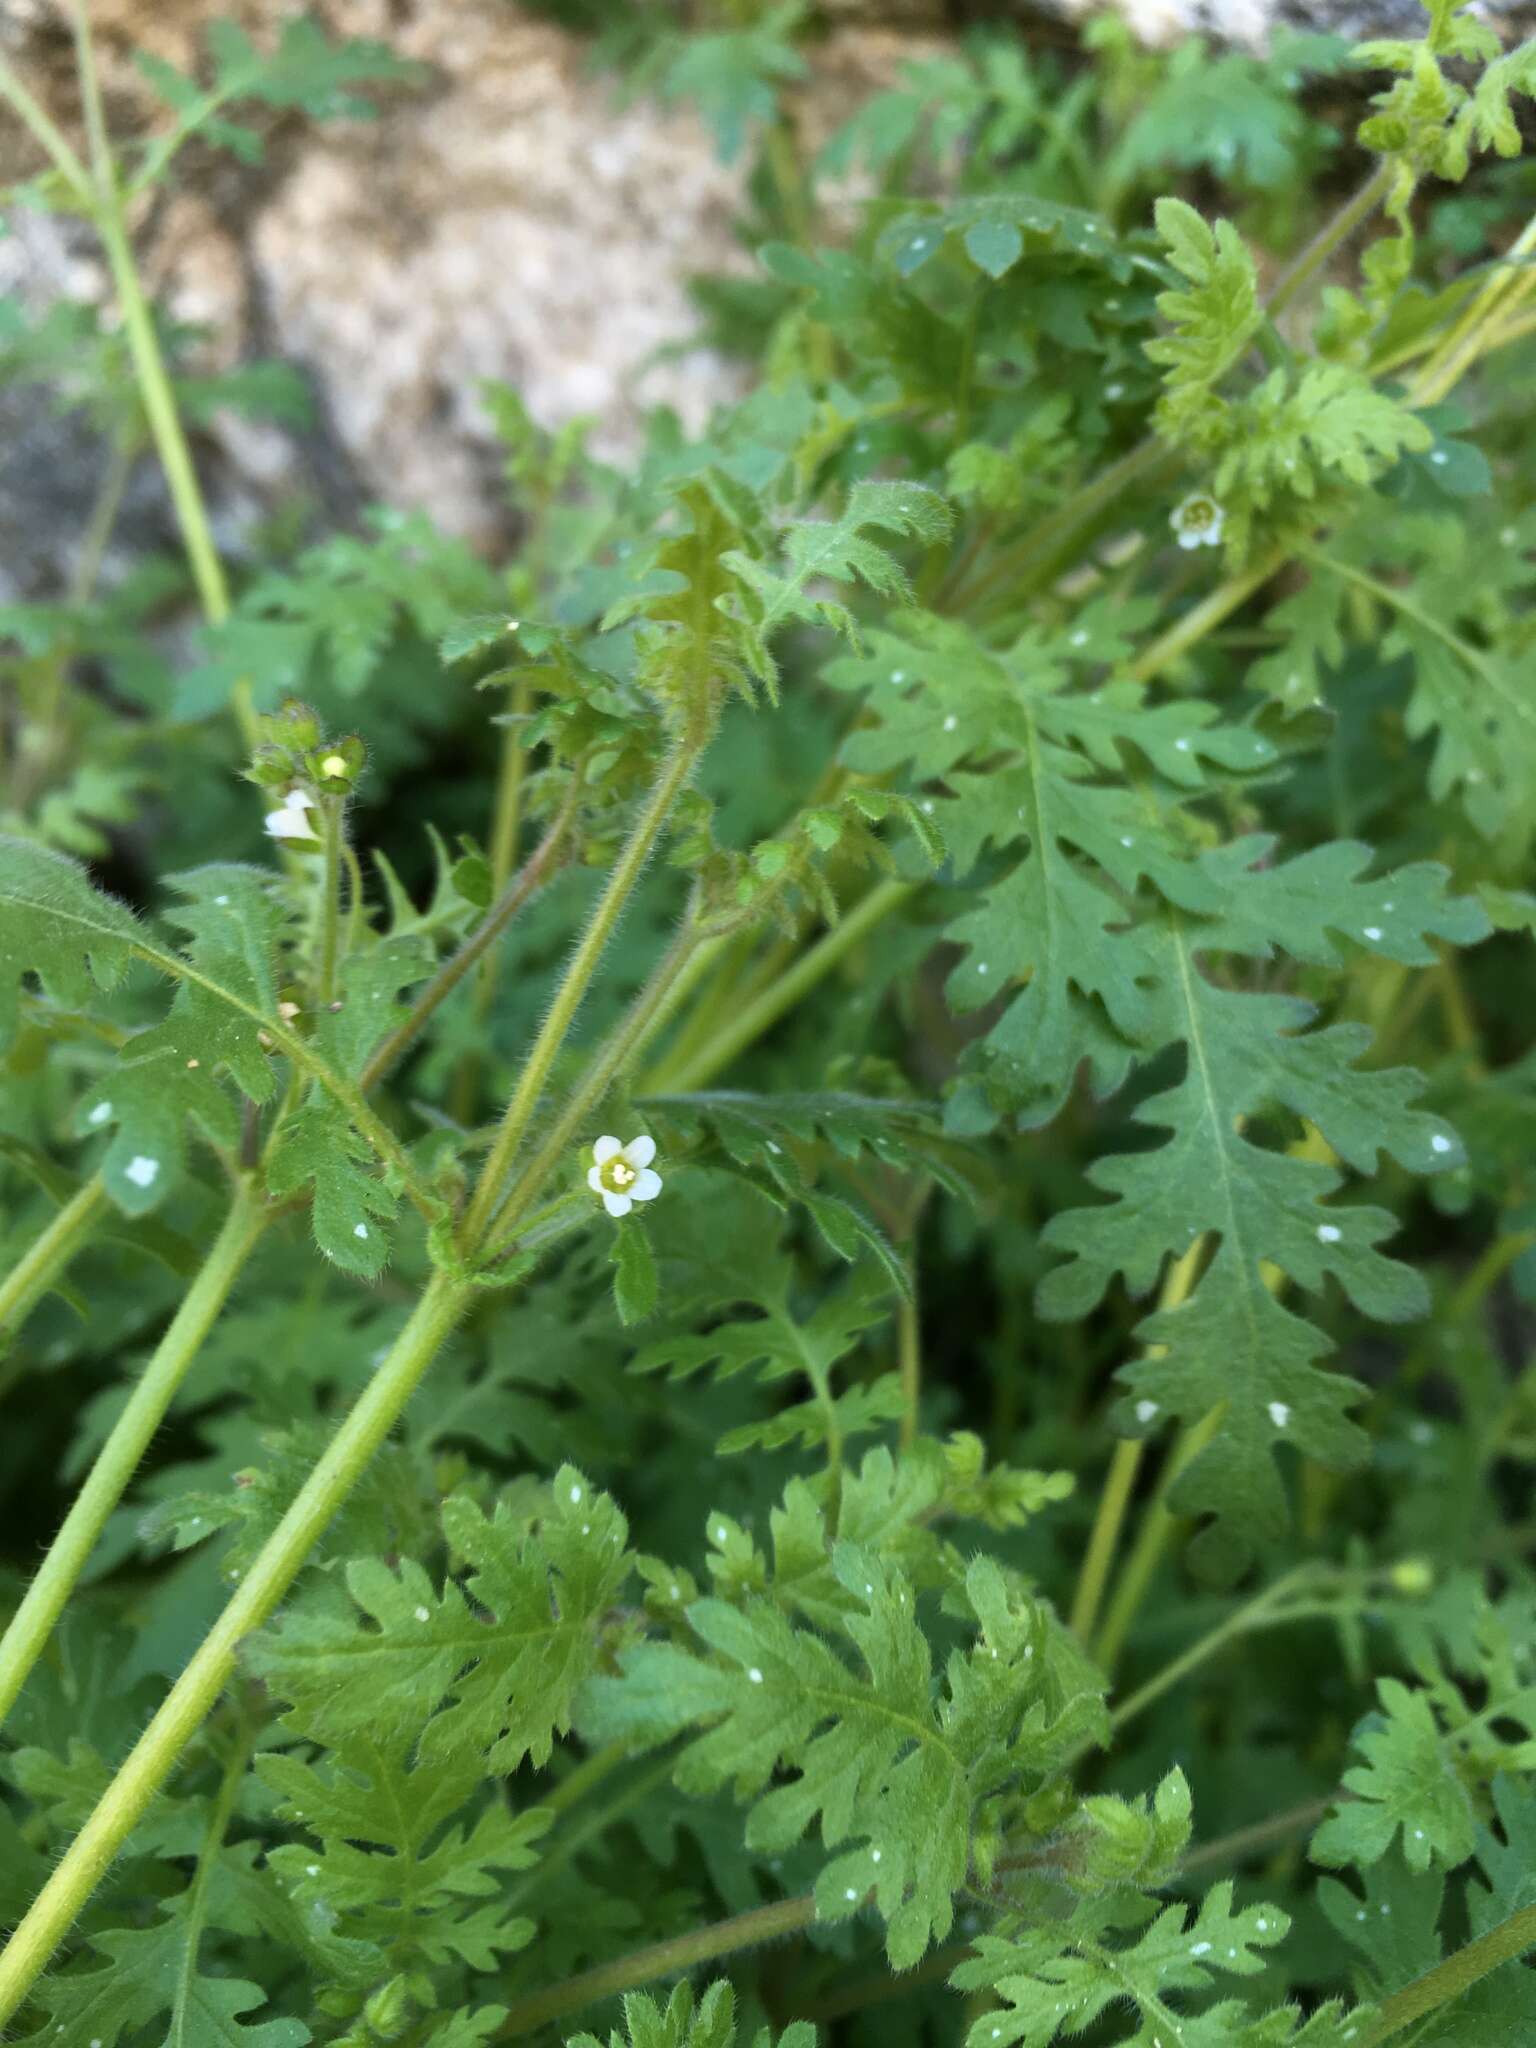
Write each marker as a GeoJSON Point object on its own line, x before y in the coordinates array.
{"type": "Point", "coordinates": [787, 1230]}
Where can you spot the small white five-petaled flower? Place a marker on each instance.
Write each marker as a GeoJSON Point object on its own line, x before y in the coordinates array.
{"type": "Point", "coordinates": [291, 821]}
{"type": "Point", "coordinates": [1198, 521]}
{"type": "Point", "coordinates": [623, 1175]}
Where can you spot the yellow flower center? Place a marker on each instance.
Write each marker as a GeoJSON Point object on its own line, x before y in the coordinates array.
{"type": "Point", "coordinates": [618, 1175]}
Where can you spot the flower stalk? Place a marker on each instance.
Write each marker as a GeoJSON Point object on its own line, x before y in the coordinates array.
{"type": "Point", "coordinates": [50, 1252]}
{"type": "Point", "coordinates": [192, 1697]}
{"type": "Point", "coordinates": [531, 1083]}
{"type": "Point", "coordinates": [119, 1457]}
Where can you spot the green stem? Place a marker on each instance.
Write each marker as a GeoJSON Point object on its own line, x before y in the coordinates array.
{"type": "Point", "coordinates": [330, 899]}
{"type": "Point", "coordinates": [587, 1828]}
{"type": "Point", "coordinates": [40, 1264]}
{"type": "Point", "coordinates": [165, 424]}
{"type": "Point", "coordinates": [660, 1959]}
{"type": "Point", "coordinates": [1250, 1615]}
{"type": "Point", "coordinates": [193, 1908]}
{"type": "Point", "coordinates": [1105, 1537]}
{"type": "Point", "coordinates": [45, 131]}
{"type": "Point", "coordinates": [149, 366]}
{"type": "Point", "coordinates": [158, 155]}
{"type": "Point", "coordinates": [1497, 299]}
{"type": "Point", "coordinates": [1034, 560]}
{"type": "Point", "coordinates": [646, 1015]}
{"type": "Point", "coordinates": [108, 502]}
{"type": "Point", "coordinates": [506, 825]}
{"type": "Point", "coordinates": [1509, 330]}
{"type": "Point", "coordinates": [1203, 617]}
{"type": "Point", "coordinates": [1456, 1975]}
{"type": "Point", "coordinates": [533, 874]}
{"type": "Point", "coordinates": [587, 1776]}
{"type": "Point", "coordinates": [760, 1015]}
{"type": "Point", "coordinates": [1400, 601]}
{"type": "Point", "coordinates": [118, 1459]}
{"type": "Point", "coordinates": [909, 1344]}
{"type": "Point", "coordinates": [610, 906]}
{"type": "Point", "coordinates": [1237, 1847]}
{"type": "Point", "coordinates": [1328, 238]}
{"type": "Point", "coordinates": [732, 985]}
{"type": "Point", "coordinates": [355, 904]}
{"type": "Point", "coordinates": [1152, 1539]}
{"type": "Point", "coordinates": [508, 817]}
{"type": "Point", "coordinates": [189, 1701]}
{"type": "Point", "coordinates": [1124, 1466]}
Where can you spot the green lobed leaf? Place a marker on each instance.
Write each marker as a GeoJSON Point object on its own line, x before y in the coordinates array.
{"type": "Point", "coordinates": [1056, 1981]}
{"type": "Point", "coordinates": [397, 1650]}
{"type": "Point", "coordinates": [678, 2025]}
{"type": "Point", "coordinates": [874, 1753]}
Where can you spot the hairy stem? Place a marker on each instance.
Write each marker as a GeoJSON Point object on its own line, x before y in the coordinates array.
{"type": "Point", "coordinates": [506, 826]}
{"type": "Point", "coordinates": [46, 1257]}
{"type": "Point", "coordinates": [660, 1959]}
{"type": "Point", "coordinates": [149, 366]}
{"type": "Point", "coordinates": [1034, 561]}
{"type": "Point", "coordinates": [531, 877]}
{"type": "Point", "coordinates": [1104, 1539]}
{"type": "Point", "coordinates": [1228, 1850]}
{"type": "Point", "coordinates": [1203, 618]}
{"type": "Point", "coordinates": [332, 828]}
{"type": "Point", "coordinates": [45, 131]}
{"type": "Point", "coordinates": [610, 906]}
{"type": "Point", "coordinates": [1252, 1614]}
{"type": "Point", "coordinates": [107, 504]}
{"type": "Point", "coordinates": [507, 819]}
{"type": "Point", "coordinates": [194, 1908]}
{"type": "Point", "coordinates": [1329, 237]}
{"type": "Point", "coordinates": [1152, 1539]}
{"type": "Point", "coordinates": [588, 1827]}
{"type": "Point", "coordinates": [764, 1011]}
{"type": "Point", "coordinates": [645, 1017]}
{"type": "Point", "coordinates": [1499, 297]}
{"type": "Point", "coordinates": [1456, 1975]}
{"type": "Point", "coordinates": [733, 984]}
{"type": "Point", "coordinates": [118, 1459]}
{"type": "Point", "coordinates": [1123, 1468]}
{"type": "Point", "coordinates": [190, 1700]}
{"type": "Point", "coordinates": [909, 1345]}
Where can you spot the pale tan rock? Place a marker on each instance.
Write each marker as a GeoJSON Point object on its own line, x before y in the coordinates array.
{"type": "Point", "coordinates": [508, 220]}
{"type": "Point", "coordinates": [515, 224]}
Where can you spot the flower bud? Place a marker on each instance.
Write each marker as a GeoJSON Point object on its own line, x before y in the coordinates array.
{"type": "Point", "coordinates": [1414, 1576]}
{"type": "Point", "coordinates": [336, 764]}
{"type": "Point", "coordinates": [388, 2011]}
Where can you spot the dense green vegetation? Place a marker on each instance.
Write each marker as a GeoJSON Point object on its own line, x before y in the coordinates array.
{"type": "Point", "coordinates": [792, 1243]}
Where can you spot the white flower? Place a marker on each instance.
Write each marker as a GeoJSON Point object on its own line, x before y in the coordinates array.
{"type": "Point", "coordinates": [291, 821]}
{"type": "Point", "coordinates": [622, 1175]}
{"type": "Point", "coordinates": [1198, 521]}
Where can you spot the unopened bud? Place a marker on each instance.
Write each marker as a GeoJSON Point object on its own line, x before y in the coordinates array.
{"type": "Point", "coordinates": [1414, 1576]}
